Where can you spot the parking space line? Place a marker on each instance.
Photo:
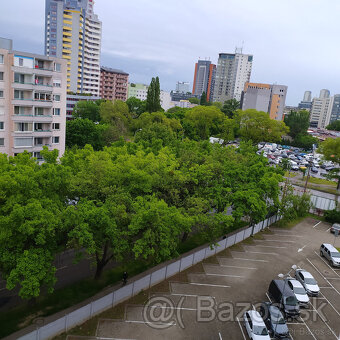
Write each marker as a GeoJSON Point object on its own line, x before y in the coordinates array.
{"type": "Point", "coordinates": [316, 224]}
{"type": "Point", "coordinates": [206, 284]}
{"type": "Point", "coordinates": [269, 298]}
{"type": "Point", "coordinates": [325, 322]}
{"type": "Point", "coordinates": [220, 335]}
{"type": "Point", "coordinates": [331, 304]}
{"type": "Point", "coordinates": [239, 323]}
{"type": "Point", "coordinates": [282, 241]}
{"type": "Point", "coordinates": [238, 258]}
{"type": "Point", "coordinates": [322, 275]}
{"type": "Point", "coordinates": [268, 246]}
{"type": "Point", "coordinates": [328, 229]}
{"type": "Point", "coordinates": [224, 275]}
{"type": "Point", "coordinates": [309, 329]}
{"type": "Point", "coordinates": [175, 308]}
{"type": "Point", "coordinates": [150, 322]}
{"type": "Point", "coordinates": [188, 295]}
{"type": "Point", "coordinates": [259, 252]}
{"type": "Point", "coordinates": [223, 265]}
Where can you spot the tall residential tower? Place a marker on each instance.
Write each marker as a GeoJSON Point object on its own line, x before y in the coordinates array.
{"type": "Point", "coordinates": [73, 32]}
{"type": "Point", "coordinates": [204, 78]}
{"type": "Point", "coordinates": [233, 72]}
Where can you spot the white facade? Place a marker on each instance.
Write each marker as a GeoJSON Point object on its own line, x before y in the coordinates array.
{"type": "Point", "coordinates": [32, 103]}
{"type": "Point", "coordinates": [321, 112]}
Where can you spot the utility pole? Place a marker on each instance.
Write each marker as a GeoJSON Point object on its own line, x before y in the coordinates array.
{"type": "Point", "coordinates": [307, 178]}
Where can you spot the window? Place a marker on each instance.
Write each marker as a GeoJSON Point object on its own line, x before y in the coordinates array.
{"type": "Point", "coordinates": [1, 94]}
{"type": "Point", "coordinates": [1, 76]}
{"type": "Point", "coordinates": [57, 83]}
{"type": "Point", "coordinates": [21, 62]}
{"type": "Point", "coordinates": [2, 110]}
{"type": "Point", "coordinates": [56, 126]}
{"type": "Point", "coordinates": [55, 140]}
{"type": "Point", "coordinates": [57, 67]}
{"type": "Point", "coordinates": [56, 97]}
{"type": "Point", "coordinates": [23, 127]}
{"type": "Point", "coordinates": [2, 126]}
{"type": "Point", "coordinates": [19, 78]}
{"type": "Point", "coordinates": [18, 94]}
{"type": "Point", "coordinates": [2, 141]}
{"type": "Point", "coordinates": [1, 58]}
{"type": "Point", "coordinates": [23, 142]}
{"type": "Point", "coordinates": [56, 112]}
{"type": "Point", "coordinates": [39, 111]}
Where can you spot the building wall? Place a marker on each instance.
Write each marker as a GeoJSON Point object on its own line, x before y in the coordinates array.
{"type": "Point", "coordinates": [335, 109]}
{"type": "Point", "coordinates": [72, 100]}
{"type": "Point", "coordinates": [34, 104]}
{"type": "Point", "coordinates": [113, 84]}
{"type": "Point", "coordinates": [204, 78]}
{"type": "Point", "coordinates": [321, 112]}
{"type": "Point", "coordinates": [278, 102]}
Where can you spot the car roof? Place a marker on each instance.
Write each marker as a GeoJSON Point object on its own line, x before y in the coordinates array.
{"type": "Point", "coordinates": [305, 273]}
{"type": "Point", "coordinates": [295, 283]}
{"type": "Point", "coordinates": [256, 318]}
{"type": "Point", "coordinates": [283, 287]}
{"type": "Point", "coordinates": [331, 247]}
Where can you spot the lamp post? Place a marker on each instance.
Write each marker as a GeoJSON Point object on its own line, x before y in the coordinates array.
{"type": "Point", "coordinates": [282, 276]}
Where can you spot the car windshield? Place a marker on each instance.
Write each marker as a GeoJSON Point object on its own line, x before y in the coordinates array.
{"type": "Point", "coordinates": [277, 317]}
{"type": "Point", "coordinates": [337, 255]}
{"type": "Point", "coordinates": [310, 281]}
{"type": "Point", "coordinates": [291, 301]}
{"type": "Point", "coordinates": [299, 290]}
{"type": "Point", "coordinates": [260, 330]}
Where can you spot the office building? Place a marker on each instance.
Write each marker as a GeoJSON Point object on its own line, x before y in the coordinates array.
{"type": "Point", "coordinates": [178, 96]}
{"type": "Point", "coordinates": [233, 72]}
{"type": "Point", "coordinates": [32, 102]}
{"type": "Point", "coordinates": [321, 110]}
{"type": "Point", "coordinates": [72, 100]}
{"type": "Point", "coordinates": [307, 97]}
{"type": "Point", "coordinates": [113, 84]}
{"type": "Point", "coordinates": [73, 32]}
{"type": "Point", "coordinates": [335, 109]}
{"type": "Point", "coordinates": [182, 87]}
{"type": "Point", "coordinates": [140, 91]}
{"type": "Point", "coordinates": [204, 79]}
{"type": "Point", "coordinates": [265, 97]}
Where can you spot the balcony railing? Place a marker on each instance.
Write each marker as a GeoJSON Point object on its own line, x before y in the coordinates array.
{"type": "Point", "coordinates": [37, 67]}
{"type": "Point", "coordinates": [38, 84]}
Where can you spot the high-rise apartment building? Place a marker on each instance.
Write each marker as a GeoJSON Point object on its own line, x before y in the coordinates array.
{"type": "Point", "coordinates": [204, 79]}
{"type": "Point", "coordinates": [113, 84]}
{"type": "Point", "coordinates": [32, 102]}
{"type": "Point", "coordinates": [324, 94]}
{"type": "Point", "coordinates": [321, 110]}
{"type": "Point", "coordinates": [182, 87]}
{"type": "Point", "coordinates": [265, 97]}
{"type": "Point", "coordinates": [306, 103]}
{"type": "Point", "coordinates": [233, 72]}
{"type": "Point", "coordinates": [335, 109]}
{"type": "Point", "coordinates": [73, 32]}
{"type": "Point", "coordinates": [307, 97]}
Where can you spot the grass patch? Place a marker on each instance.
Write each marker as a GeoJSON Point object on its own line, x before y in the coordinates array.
{"type": "Point", "coordinates": [282, 224]}
{"type": "Point", "coordinates": [290, 175]}
{"type": "Point", "coordinates": [338, 249]}
{"type": "Point", "coordinates": [321, 181]}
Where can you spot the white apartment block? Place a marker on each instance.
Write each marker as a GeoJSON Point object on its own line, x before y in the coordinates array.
{"type": "Point", "coordinates": [140, 91]}
{"type": "Point", "coordinates": [32, 102]}
{"type": "Point", "coordinates": [321, 111]}
{"type": "Point", "coordinates": [233, 72]}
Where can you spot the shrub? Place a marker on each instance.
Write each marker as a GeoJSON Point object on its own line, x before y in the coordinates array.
{"type": "Point", "coordinates": [332, 216]}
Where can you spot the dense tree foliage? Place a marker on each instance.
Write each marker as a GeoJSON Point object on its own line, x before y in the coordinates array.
{"type": "Point", "coordinates": [88, 109]}
{"type": "Point", "coordinates": [153, 101]}
{"type": "Point", "coordinates": [230, 107]}
{"type": "Point", "coordinates": [335, 126]}
{"type": "Point", "coordinates": [298, 122]}
{"type": "Point", "coordinates": [136, 106]}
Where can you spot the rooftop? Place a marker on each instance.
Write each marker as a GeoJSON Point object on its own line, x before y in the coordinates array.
{"type": "Point", "coordinates": [113, 70]}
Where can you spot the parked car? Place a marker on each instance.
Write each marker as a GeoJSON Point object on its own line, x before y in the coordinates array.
{"type": "Point", "coordinates": [330, 253]}
{"type": "Point", "coordinates": [299, 292]}
{"type": "Point", "coordinates": [274, 321]}
{"type": "Point", "coordinates": [308, 282]}
{"type": "Point", "coordinates": [334, 227]}
{"type": "Point", "coordinates": [329, 168]}
{"type": "Point", "coordinates": [282, 294]}
{"type": "Point", "coordinates": [294, 167]}
{"type": "Point", "coordinates": [255, 326]}
{"type": "Point", "coordinates": [314, 169]}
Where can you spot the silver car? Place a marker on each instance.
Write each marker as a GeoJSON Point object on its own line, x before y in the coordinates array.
{"type": "Point", "coordinates": [331, 254]}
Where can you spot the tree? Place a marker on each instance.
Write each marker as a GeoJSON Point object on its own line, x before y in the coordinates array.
{"type": "Point", "coordinates": [136, 106]}
{"type": "Point", "coordinates": [258, 127]}
{"type": "Point", "coordinates": [153, 102]}
{"type": "Point", "coordinates": [202, 122]}
{"type": "Point", "coordinates": [80, 132]}
{"type": "Point", "coordinates": [230, 107]}
{"type": "Point", "coordinates": [330, 149]}
{"type": "Point", "coordinates": [203, 100]}
{"type": "Point", "coordinates": [298, 122]}
{"type": "Point", "coordinates": [335, 126]}
{"type": "Point", "coordinates": [305, 141]}
{"type": "Point", "coordinates": [218, 105]}
{"type": "Point", "coordinates": [87, 109]}
{"type": "Point", "coordinates": [194, 100]}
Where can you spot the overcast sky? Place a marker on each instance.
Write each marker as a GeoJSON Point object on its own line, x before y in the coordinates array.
{"type": "Point", "coordinates": [294, 42]}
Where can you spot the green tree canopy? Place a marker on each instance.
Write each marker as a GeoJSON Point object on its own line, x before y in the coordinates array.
{"type": "Point", "coordinates": [230, 107]}
{"type": "Point", "coordinates": [194, 100]}
{"type": "Point", "coordinates": [87, 109]}
{"type": "Point", "coordinates": [136, 106]}
{"type": "Point", "coordinates": [153, 101]}
{"type": "Point", "coordinates": [298, 122]}
{"type": "Point", "coordinates": [203, 100]}
{"type": "Point", "coordinates": [335, 126]}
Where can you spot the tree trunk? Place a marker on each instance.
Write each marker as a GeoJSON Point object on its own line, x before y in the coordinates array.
{"type": "Point", "coordinates": [185, 236]}
{"type": "Point", "coordinates": [102, 262]}
{"type": "Point", "coordinates": [99, 270]}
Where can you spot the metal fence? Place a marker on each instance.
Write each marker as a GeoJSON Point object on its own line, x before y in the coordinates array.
{"type": "Point", "coordinates": [86, 312]}
{"type": "Point", "coordinates": [323, 203]}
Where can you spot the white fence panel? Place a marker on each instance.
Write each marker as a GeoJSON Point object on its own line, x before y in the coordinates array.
{"type": "Point", "coordinates": [102, 303]}
{"type": "Point", "coordinates": [210, 252]}
{"type": "Point", "coordinates": [141, 284]}
{"type": "Point", "coordinates": [199, 256]}
{"type": "Point", "coordinates": [158, 276]}
{"type": "Point", "coordinates": [231, 240]}
{"type": "Point", "coordinates": [257, 228]}
{"type": "Point", "coordinates": [173, 269]}
{"type": "Point", "coordinates": [30, 336]}
{"type": "Point", "coordinates": [51, 329]}
{"type": "Point", "coordinates": [239, 236]}
{"type": "Point", "coordinates": [78, 316]}
{"type": "Point", "coordinates": [247, 232]}
{"type": "Point", "coordinates": [187, 262]}
{"type": "Point", "coordinates": [123, 293]}
{"type": "Point", "coordinates": [221, 245]}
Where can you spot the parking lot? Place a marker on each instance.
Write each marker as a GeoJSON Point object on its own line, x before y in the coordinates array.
{"type": "Point", "coordinates": [208, 302]}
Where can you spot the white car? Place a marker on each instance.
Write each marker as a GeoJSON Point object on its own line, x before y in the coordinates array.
{"type": "Point", "coordinates": [299, 292]}
{"type": "Point", "coordinates": [255, 325]}
{"type": "Point", "coordinates": [308, 282]}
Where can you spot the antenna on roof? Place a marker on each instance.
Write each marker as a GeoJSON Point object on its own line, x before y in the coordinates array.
{"type": "Point", "coordinates": [238, 50]}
